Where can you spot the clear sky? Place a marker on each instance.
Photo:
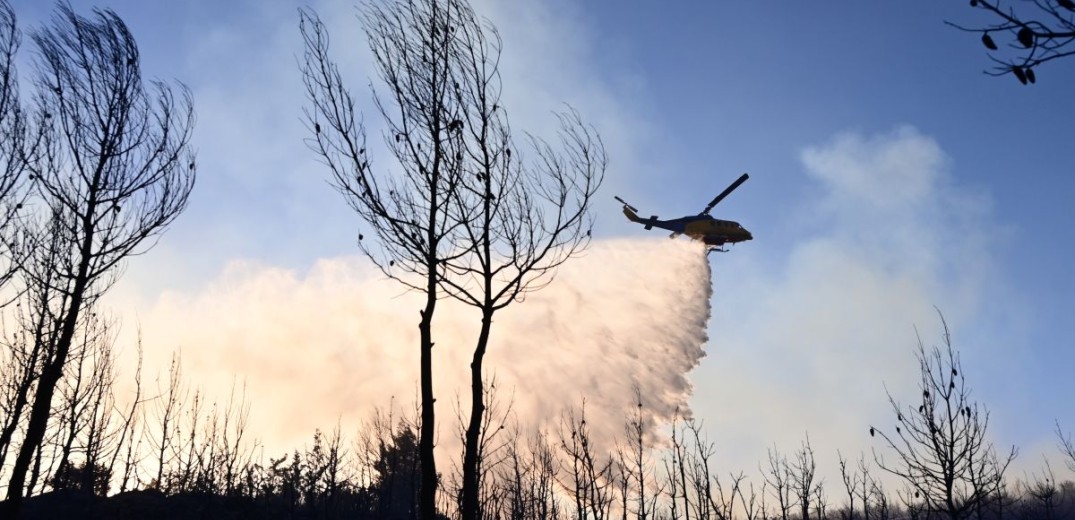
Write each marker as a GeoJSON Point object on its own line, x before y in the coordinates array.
{"type": "Point", "coordinates": [888, 175]}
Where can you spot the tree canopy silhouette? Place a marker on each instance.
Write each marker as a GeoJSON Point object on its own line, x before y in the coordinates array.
{"type": "Point", "coordinates": [1023, 36]}
{"type": "Point", "coordinates": [112, 170]}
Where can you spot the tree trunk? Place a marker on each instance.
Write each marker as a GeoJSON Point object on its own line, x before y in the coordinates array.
{"type": "Point", "coordinates": [53, 370]}
{"type": "Point", "coordinates": [471, 480]}
{"type": "Point", "coordinates": [427, 498]}
{"type": "Point", "coordinates": [39, 413]}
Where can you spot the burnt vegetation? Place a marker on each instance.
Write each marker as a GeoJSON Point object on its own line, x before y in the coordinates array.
{"type": "Point", "coordinates": [178, 455]}
{"type": "Point", "coordinates": [95, 163]}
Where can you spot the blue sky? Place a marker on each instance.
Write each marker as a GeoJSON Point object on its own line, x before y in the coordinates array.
{"type": "Point", "coordinates": [806, 96]}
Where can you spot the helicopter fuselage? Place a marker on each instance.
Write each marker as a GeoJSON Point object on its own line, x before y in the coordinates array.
{"type": "Point", "coordinates": [704, 228]}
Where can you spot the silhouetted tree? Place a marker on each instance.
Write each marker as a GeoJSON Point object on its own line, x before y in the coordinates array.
{"type": "Point", "coordinates": [779, 478]}
{"type": "Point", "coordinates": [83, 413]}
{"type": "Point", "coordinates": [1043, 492]}
{"type": "Point", "coordinates": [860, 485]}
{"type": "Point", "coordinates": [114, 170]}
{"type": "Point", "coordinates": [125, 445]}
{"type": "Point", "coordinates": [84, 477]}
{"type": "Point", "coordinates": [168, 405]}
{"type": "Point", "coordinates": [493, 446]}
{"type": "Point", "coordinates": [398, 470]}
{"type": "Point", "coordinates": [527, 480]}
{"type": "Point", "coordinates": [484, 225]}
{"type": "Point", "coordinates": [705, 495]}
{"type": "Point", "coordinates": [941, 448]}
{"type": "Point", "coordinates": [23, 356]}
{"type": "Point", "coordinates": [639, 487]}
{"type": "Point", "coordinates": [675, 467]}
{"type": "Point", "coordinates": [409, 214]}
{"type": "Point", "coordinates": [804, 483]}
{"type": "Point", "coordinates": [589, 481]}
{"type": "Point", "coordinates": [520, 219]}
{"type": "Point", "coordinates": [851, 480]}
{"type": "Point", "coordinates": [14, 148]}
{"type": "Point", "coordinates": [1025, 34]}
{"type": "Point", "coordinates": [1066, 446]}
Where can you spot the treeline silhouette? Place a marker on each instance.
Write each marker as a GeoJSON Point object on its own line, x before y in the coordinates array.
{"type": "Point", "coordinates": [176, 454]}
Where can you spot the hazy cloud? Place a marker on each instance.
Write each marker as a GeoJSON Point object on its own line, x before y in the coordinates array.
{"type": "Point", "coordinates": [811, 346]}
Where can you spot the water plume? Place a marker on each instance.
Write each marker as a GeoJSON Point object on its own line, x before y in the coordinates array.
{"type": "Point", "coordinates": [333, 343]}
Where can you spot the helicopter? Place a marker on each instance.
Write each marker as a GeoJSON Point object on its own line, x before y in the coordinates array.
{"type": "Point", "coordinates": [713, 232]}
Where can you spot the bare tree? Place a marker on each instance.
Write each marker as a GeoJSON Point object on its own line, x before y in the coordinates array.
{"type": "Point", "coordinates": [705, 495]}
{"type": "Point", "coordinates": [675, 467]}
{"type": "Point", "coordinates": [168, 404]}
{"type": "Point", "coordinates": [779, 478]}
{"type": "Point", "coordinates": [493, 451]}
{"type": "Point", "coordinates": [483, 225]}
{"type": "Point", "coordinates": [1067, 446]}
{"type": "Point", "coordinates": [24, 356]}
{"type": "Point", "coordinates": [860, 485]}
{"type": "Point", "coordinates": [1030, 34]}
{"type": "Point", "coordinates": [589, 480]}
{"type": "Point", "coordinates": [520, 219]}
{"type": "Point", "coordinates": [527, 479]}
{"type": "Point", "coordinates": [639, 486]}
{"type": "Point", "coordinates": [941, 448]}
{"type": "Point", "coordinates": [13, 147]}
{"type": "Point", "coordinates": [1043, 492]}
{"type": "Point", "coordinates": [126, 444]}
{"type": "Point", "coordinates": [115, 169]}
{"type": "Point", "coordinates": [803, 482]}
{"type": "Point", "coordinates": [409, 214]}
{"type": "Point", "coordinates": [83, 406]}
{"type": "Point", "coordinates": [851, 480]}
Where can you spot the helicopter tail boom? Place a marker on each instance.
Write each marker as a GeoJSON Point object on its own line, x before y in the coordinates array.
{"type": "Point", "coordinates": [633, 217]}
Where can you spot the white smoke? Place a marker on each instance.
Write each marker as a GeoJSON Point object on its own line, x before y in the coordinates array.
{"type": "Point", "coordinates": [339, 340]}
{"type": "Point", "coordinates": [809, 344]}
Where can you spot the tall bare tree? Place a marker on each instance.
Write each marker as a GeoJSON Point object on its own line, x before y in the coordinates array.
{"type": "Point", "coordinates": [409, 213]}
{"type": "Point", "coordinates": [483, 225]}
{"type": "Point", "coordinates": [520, 218]}
{"type": "Point", "coordinates": [114, 170]}
{"type": "Point", "coordinates": [1029, 34]}
{"type": "Point", "coordinates": [941, 449]}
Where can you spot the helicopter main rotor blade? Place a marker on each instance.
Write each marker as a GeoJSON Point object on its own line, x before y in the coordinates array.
{"type": "Point", "coordinates": [624, 202]}
{"type": "Point", "coordinates": [742, 178]}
